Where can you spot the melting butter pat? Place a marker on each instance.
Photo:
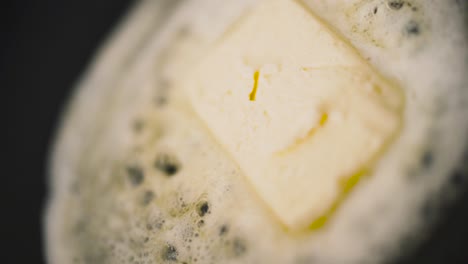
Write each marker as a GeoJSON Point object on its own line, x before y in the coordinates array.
{"type": "Point", "coordinates": [296, 108]}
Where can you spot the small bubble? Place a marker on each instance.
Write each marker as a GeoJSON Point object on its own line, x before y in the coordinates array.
{"type": "Point", "coordinates": [149, 227]}
{"type": "Point", "coordinates": [169, 253]}
{"type": "Point", "coordinates": [135, 175]}
{"type": "Point", "coordinates": [201, 223]}
{"type": "Point", "coordinates": [395, 4]}
{"type": "Point", "coordinates": [412, 28]}
{"type": "Point", "coordinates": [427, 159]}
{"type": "Point", "coordinates": [203, 208]}
{"type": "Point", "coordinates": [167, 164]}
{"type": "Point", "coordinates": [238, 247]}
{"type": "Point", "coordinates": [148, 196]}
{"type": "Point", "coordinates": [223, 230]}
{"type": "Point", "coordinates": [159, 224]}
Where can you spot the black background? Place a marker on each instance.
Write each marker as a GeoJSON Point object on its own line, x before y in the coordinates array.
{"type": "Point", "coordinates": [44, 47]}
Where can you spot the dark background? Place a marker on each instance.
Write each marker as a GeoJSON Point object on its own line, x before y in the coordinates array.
{"type": "Point", "coordinates": [44, 47]}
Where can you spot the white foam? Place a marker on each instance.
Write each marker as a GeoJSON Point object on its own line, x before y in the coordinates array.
{"type": "Point", "coordinates": [103, 219]}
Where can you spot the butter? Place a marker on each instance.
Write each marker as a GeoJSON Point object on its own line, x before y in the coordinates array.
{"type": "Point", "coordinates": [296, 108]}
